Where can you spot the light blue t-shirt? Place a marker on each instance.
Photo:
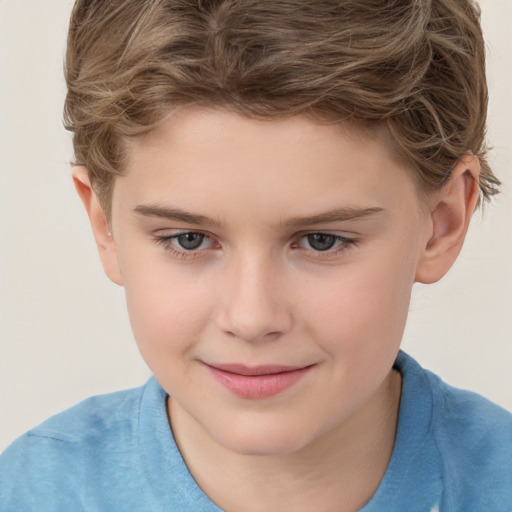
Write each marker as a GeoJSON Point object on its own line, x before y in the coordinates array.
{"type": "Point", "coordinates": [116, 453]}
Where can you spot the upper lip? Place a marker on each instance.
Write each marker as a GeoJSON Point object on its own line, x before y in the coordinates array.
{"type": "Point", "coordinates": [241, 369]}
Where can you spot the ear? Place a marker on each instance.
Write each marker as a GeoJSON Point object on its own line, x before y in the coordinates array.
{"type": "Point", "coordinates": [100, 226]}
{"type": "Point", "coordinates": [450, 212]}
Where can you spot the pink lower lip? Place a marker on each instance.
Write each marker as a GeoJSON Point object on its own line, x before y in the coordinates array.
{"type": "Point", "coordinates": [258, 386]}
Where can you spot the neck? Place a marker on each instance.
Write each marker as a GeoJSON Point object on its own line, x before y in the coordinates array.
{"type": "Point", "coordinates": [340, 471]}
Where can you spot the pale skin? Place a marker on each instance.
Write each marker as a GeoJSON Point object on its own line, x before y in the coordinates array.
{"type": "Point", "coordinates": [258, 289]}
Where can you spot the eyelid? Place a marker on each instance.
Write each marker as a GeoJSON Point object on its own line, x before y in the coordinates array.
{"type": "Point", "coordinates": [345, 235]}
{"type": "Point", "coordinates": [167, 242]}
{"type": "Point", "coordinates": [345, 243]}
{"type": "Point", "coordinates": [169, 234]}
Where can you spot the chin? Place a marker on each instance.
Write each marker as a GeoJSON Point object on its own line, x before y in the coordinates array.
{"type": "Point", "coordinates": [263, 448]}
{"type": "Point", "coordinates": [264, 439]}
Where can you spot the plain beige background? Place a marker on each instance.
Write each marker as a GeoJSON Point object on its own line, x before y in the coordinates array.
{"type": "Point", "coordinates": [64, 332]}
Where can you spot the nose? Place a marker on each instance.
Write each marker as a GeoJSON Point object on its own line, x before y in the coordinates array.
{"type": "Point", "coordinates": [254, 305]}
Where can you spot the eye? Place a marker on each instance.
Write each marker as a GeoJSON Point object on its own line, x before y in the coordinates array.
{"type": "Point", "coordinates": [321, 241]}
{"type": "Point", "coordinates": [325, 243]}
{"type": "Point", "coordinates": [190, 241]}
{"type": "Point", "coordinates": [187, 244]}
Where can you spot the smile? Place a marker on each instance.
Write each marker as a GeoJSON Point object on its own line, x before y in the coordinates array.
{"type": "Point", "coordinates": [257, 382]}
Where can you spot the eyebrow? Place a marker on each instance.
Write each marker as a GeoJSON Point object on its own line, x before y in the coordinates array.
{"type": "Point", "coordinates": [336, 215]}
{"type": "Point", "coordinates": [174, 214]}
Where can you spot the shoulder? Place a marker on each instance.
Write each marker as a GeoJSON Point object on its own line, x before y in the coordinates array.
{"type": "Point", "coordinates": [471, 423]}
{"type": "Point", "coordinates": [457, 412]}
{"type": "Point", "coordinates": [60, 453]}
{"type": "Point", "coordinates": [92, 417]}
{"type": "Point", "coordinates": [86, 422]}
{"type": "Point", "coordinates": [473, 439]}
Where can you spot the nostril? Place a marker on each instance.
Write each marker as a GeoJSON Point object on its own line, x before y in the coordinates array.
{"type": "Point", "coordinates": [244, 335]}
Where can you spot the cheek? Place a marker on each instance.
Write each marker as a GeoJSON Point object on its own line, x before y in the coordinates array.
{"type": "Point", "coordinates": [364, 306]}
{"type": "Point", "coordinates": [167, 311]}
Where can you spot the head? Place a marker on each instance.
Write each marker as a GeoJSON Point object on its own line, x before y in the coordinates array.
{"type": "Point", "coordinates": [267, 180]}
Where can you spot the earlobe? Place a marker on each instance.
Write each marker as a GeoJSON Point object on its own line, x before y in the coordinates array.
{"type": "Point", "coordinates": [101, 230]}
{"type": "Point", "coordinates": [451, 211]}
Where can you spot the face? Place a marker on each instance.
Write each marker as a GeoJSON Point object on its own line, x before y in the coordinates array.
{"type": "Point", "coordinates": [268, 267]}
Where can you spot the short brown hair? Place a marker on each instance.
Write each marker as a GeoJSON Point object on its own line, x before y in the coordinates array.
{"type": "Point", "coordinates": [416, 67]}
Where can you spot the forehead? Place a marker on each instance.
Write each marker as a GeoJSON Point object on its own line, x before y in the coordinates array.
{"type": "Point", "coordinates": [208, 126]}
{"type": "Point", "coordinates": [217, 159]}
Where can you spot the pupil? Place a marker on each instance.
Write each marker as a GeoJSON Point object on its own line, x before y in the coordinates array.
{"type": "Point", "coordinates": [190, 241]}
{"type": "Point", "coordinates": [321, 242]}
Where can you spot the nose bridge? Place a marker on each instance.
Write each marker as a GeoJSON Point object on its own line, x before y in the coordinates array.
{"type": "Point", "coordinates": [254, 305]}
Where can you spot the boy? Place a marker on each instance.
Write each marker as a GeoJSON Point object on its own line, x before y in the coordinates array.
{"type": "Point", "coordinates": [267, 180]}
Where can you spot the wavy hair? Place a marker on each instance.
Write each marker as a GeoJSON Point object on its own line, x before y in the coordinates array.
{"type": "Point", "coordinates": [416, 67]}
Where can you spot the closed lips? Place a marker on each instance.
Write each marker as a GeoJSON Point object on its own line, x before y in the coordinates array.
{"type": "Point", "coordinates": [257, 382]}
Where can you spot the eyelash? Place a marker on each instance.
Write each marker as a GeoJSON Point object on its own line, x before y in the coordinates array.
{"type": "Point", "coordinates": [168, 243]}
{"type": "Point", "coordinates": [341, 244]}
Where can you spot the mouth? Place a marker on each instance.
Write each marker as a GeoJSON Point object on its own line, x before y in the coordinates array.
{"type": "Point", "coordinates": [257, 382]}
